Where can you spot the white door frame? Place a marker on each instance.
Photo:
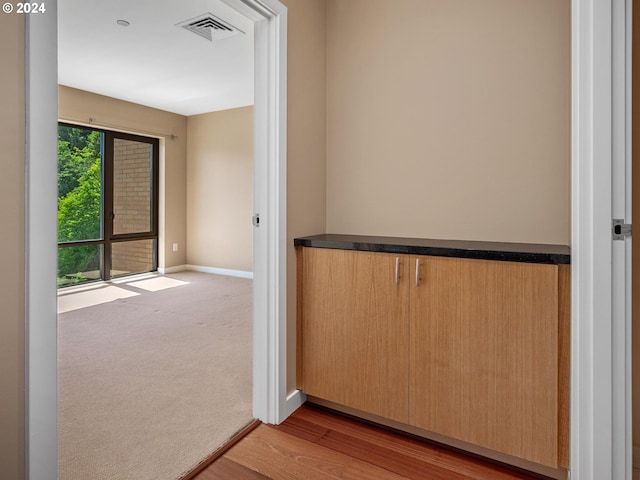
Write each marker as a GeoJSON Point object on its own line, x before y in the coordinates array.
{"type": "Point", "coordinates": [600, 414]}
{"type": "Point", "coordinates": [622, 42]}
{"type": "Point", "coordinates": [270, 399]}
{"type": "Point", "coordinates": [41, 135]}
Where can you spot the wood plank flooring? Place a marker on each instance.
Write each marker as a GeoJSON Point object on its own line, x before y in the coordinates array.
{"type": "Point", "coordinates": [315, 444]}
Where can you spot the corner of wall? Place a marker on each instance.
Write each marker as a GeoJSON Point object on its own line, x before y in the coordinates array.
{"type": "Point", "coordinates": [306, 144]}
{"type": "Point", "coordinates": [12, 255]}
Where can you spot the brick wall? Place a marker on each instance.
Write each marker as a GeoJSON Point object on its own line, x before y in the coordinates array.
{"type": "Point", "coordinates": [132, 205]}
{"type": "Point", "coordinates": [132, 186]}
{"type": "Point", "coordinates": [131, 257]}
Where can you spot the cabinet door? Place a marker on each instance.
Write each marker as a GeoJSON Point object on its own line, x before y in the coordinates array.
{"type": "Point", "coordinates": [484, 354]}
{"type": "Point", "coordinates": [355, 337]}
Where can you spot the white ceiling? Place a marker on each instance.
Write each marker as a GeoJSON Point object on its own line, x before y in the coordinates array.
{"type": "Point", "coordinates": [153, 62]}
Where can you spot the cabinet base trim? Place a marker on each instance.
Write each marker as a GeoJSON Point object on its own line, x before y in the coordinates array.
{"type": "Point", "coordinates": [555, 473]}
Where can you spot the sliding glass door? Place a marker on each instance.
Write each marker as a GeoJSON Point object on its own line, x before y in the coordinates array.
{"type": "Point", "coordinates": [131, 225]}
{"type": "Point", "coordinates": [107, 204]}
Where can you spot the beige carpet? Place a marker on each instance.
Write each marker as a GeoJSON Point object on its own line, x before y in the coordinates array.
{"type": "Point", "coordinates": [149, 385]}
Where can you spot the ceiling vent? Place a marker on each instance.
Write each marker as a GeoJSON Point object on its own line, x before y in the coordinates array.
{"type": "Point", "coordinates": [210, 27]}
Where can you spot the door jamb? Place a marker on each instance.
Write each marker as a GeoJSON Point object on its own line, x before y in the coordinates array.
{"type": "Point", "coordinates": [595, 340]}
{"type": "Point", "coordinates": [41, 138]}
{"type": "Point", "coordinates": [271, 401]}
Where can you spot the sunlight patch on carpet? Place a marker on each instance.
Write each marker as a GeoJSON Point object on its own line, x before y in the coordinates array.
{"type": "Point", "coordinates": [158, 283]}
{"type": "Point", "coordinates": [88, 298]}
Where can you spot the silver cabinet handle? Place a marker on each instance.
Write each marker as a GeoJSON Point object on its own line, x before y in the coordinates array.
{"type": "Point", "coordinates": [417, 272]}
{"type": "Point", "coordinates": [397, 270]}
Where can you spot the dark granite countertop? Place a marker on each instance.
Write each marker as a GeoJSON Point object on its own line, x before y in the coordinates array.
{"type": "Point", "coordinates": [507, 252]}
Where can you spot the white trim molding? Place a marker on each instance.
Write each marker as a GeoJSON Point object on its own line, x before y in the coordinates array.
{"type": "Point", "coordinates": [41, 97]}
{"type": "Point", "coordinates": [594, 435]}
{"type": "Point", "coordinates": [219, 271]}
{"type": "Point", "coordinates": [622, 39]}
{"type": "Point", "coordinates": [270, 267]}
{"type": "Point", "coordinates": [271, 401]}
{"type": "Point", "coordinates": [175, 269]}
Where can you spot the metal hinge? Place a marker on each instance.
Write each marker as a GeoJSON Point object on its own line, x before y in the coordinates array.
{"type": "Point", "coordinates": [620, 229]}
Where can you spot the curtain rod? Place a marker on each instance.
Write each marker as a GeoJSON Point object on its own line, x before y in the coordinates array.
{"type": "Point", "coordinates": [91, 121]}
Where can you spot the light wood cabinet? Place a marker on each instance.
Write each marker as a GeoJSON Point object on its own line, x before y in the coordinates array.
{"type": "Point", "coordinates": [355, 333]}
{"type": "Point", "coordinates": [484, 354]}
{"type": "Point", "coordinates": [472, 350]}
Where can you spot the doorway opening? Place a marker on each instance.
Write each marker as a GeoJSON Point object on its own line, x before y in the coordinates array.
{"type": "Point", "coordinates": [272, 402]}
{"type": "Point", "coordinates": [150, 341]}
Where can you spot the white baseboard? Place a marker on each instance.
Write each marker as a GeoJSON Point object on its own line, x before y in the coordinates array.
{"type": "Point", "coordinates": [220, 271]}
{"type": "Point", "coordinates": [293, 402]}
{"type": "Point", "coordinates": [176, 269]}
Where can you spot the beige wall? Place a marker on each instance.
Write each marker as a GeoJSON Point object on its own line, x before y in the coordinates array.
{"type": "Point", "coordinates": [12, 298]}
{"type": "Point", "coordinates": [306, 143]}
{"type": "Point", "coordinates": [449, 119]}
{"type": "Point", "coordinates": [77, 106]}
{"type": "Point", "coordinates": [220, 189]}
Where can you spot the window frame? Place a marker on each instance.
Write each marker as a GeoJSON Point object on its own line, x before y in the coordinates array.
{"type": "Point", "coordinates": [108, 138]}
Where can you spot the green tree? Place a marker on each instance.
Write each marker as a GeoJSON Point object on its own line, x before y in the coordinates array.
{"type": "Point", "coordinates": [79, 219]}
{"type": "Point", "coordinates": [78, 149]}
{"type": "Point", "coordinates": [79, 197]}
{"type": "Point", "coordinates": [79, 210]}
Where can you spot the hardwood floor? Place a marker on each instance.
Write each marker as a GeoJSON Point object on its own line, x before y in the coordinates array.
{"type": "Point", "coordinates": [315, 444]}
